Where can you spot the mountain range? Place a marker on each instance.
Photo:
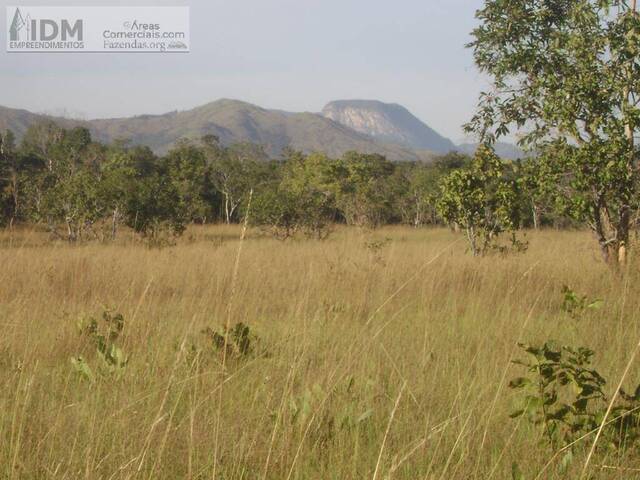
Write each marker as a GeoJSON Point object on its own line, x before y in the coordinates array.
{"type": "Point", "coordinates": [366, 126]}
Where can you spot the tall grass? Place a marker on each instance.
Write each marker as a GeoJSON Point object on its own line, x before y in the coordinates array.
{"type": "Point", "coordinates": [381, 355]}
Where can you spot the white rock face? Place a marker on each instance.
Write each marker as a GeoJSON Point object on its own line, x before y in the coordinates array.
{"type": "Point", "coordinates": [368, 122]}
{"type": "Point", "coordinates": [387, 122]}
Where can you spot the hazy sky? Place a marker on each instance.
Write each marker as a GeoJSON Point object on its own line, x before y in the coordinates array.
{"type": "Point", "coordinates": [289, 54]}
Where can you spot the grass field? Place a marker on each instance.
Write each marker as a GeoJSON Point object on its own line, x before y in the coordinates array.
{"type": "Point", "coordinates": [377, 355]}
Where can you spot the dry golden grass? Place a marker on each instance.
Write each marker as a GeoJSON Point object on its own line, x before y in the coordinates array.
{"type": "Point", "coordinates": [411, 334]}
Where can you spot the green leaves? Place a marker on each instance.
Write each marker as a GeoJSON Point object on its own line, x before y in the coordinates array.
{"type": "Point", "coordinates": [519, 382]}
{"type": "Point", "coordinates": [82, 368]}
{"type": "Point", "coordinates": [551, 369]}
{"type": "Point", "coordinates": [567, 460]}
{"type": "Point", "coordinates": [315, 191]}
{"type": "Point", "coordinates": [238, 340]}
{"type": "Point", "coordinates": [482, 199]}
{"type": "Point", "coordinates": [516, 473]}
{"type": "Point", "coordinates": [308, 410]}
{"type": "Point", "coordinates": [575, 305]}
{"type": "Point", "coordinates": [365, 192]}
{"type": "Point", "coordinates": [565, 77]}
{"type": "Point", "coordinates": [565, 398]}
{"type": "Point", "coordinates": [103, 336]}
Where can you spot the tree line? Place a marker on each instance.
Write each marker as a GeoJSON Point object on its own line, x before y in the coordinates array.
{"type": "Point", "coordinates": [79, 188]}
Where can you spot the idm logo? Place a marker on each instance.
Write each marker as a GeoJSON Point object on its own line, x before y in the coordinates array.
{"type": "Point", "coordinates": [25, 28]}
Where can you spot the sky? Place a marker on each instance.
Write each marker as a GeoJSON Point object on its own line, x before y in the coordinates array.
{"type": "Point", "coordinates": [294, 55]}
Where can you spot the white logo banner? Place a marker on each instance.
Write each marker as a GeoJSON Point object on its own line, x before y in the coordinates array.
{"type": "Point", "coordinates": [98, 29]}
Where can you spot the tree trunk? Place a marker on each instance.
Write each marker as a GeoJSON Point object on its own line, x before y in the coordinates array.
{"type": "Point", "coordinates": [534, 212]}
{"type": "Point", "coordinates": [232, 211]}
{"type": "Point", "coordinates": [471, 236]}
{"type": "Point", "coordinates": [135, 222]}
{"type": "Point", "coordinates": [613, 237]}
{"type": "Point", "coordinates": [14, 194]}
{"type": "Point", "coordinates": [70, 235]}
{"type": "Point", "coordinates": [114, 224]}
{"type": "Point", "coordinates": [622, 230]}
{"type": "Point", "coordinates": [226, 208]}
{"type": "Point", "coordinates": [623, 234]}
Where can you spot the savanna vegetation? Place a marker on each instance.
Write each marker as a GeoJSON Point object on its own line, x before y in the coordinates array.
{"type": "Point", "coordinates": [214, 313]}
{"type": "Point", "coordinates": [370, 354]}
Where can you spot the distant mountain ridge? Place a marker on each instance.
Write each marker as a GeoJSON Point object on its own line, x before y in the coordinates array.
{"type": "Point", "coordinates": [18, 120]}
{"type": "Point", "coordinates": [236, 121]}
{"type": "Point", "coordinates": [364, 126]}
{"type": "Point", "coordinates": [232, 121]}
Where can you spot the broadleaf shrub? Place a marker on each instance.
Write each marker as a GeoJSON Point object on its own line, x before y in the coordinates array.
{"type": "Point", "coordinates": [564, 396]}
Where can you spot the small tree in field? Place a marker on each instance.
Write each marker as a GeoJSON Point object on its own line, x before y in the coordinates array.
{"type": "Point", "coordinates": [365, 187]}
{"type": "Point", "coordinates": [414, 198]}
{"type": "Point", "coordinates": [233, 172]}
{"type": "Point", "coordinates": [481, 199]}
{"type": "Point", "coordinates": [302, 199]}
{"type": "Point", "coordinates": [187, 168]}
{"type": "Point", "coordinates": [154, 208]}
{"type": "Point", "coordinates": [116, 187]}
{"type": "Point", "coordinates": [566, 73]}
{"type": "Point", "coordinates": [310, 183]}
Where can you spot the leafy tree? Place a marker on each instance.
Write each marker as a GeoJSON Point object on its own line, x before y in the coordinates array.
{"type": "Point", "coordinates": [566, 73]}
{"type": "Point", "coordinates": [538, 181]}
{"type": "Point", "coordinates": [117, 185]}
{"type": "Point", "coordinates": [154, 207]}
{"type": "Point", "coordinates": [364, 195]}
{"type": "Point", "coordinates": [275, 208]}
{"type": "Point", "coordinates": [187, 168]}
{"type": "Point", "coordinates": [142, 159]}
{"type": "Point", "coordinates": [74, 147]}
{"type": "Point", "coordinates": [40, 140]}
{"type": "Point", "coordinates": [74, 202]}
{"type": "Point", "coordinates": [233, 172]}
{"type": "Point", "coordinates": [415, 194]}
{"type": "Point", "coordinates": [417, 188]}
{"type": "Point", "coordinates": [303, 198]}
{"type": "Point", "coordinates": [311, 181]}
{"type": "Point", "coordinates": [66, 190]}
{"type": "Point", "coordinates": [481, 199]}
